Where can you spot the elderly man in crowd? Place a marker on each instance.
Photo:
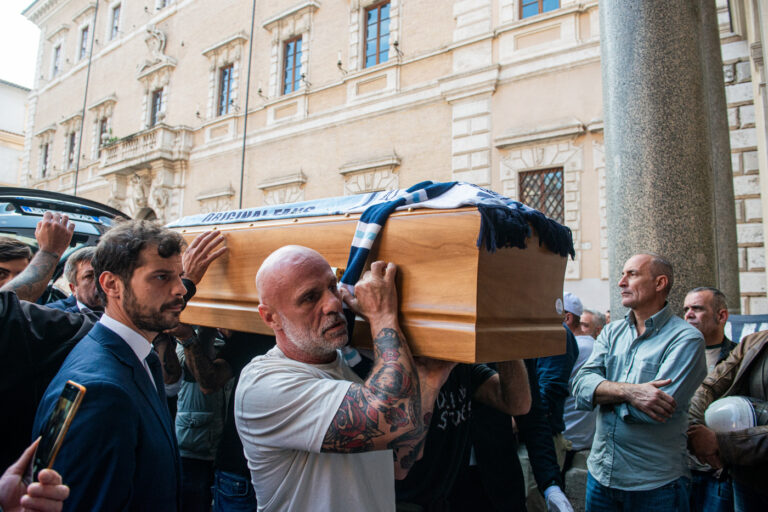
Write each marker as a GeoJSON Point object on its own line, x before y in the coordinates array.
{"type": "Point", "coordinates": [82, 283]}
{"type": "Point", "coordinates": [317, 437]}
{"type": "Point", "coordinates": [642, 374]}
{"type": "Point", "coordinates": [591, 323]}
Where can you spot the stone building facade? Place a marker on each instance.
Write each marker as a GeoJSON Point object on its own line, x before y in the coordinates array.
{"type": "Point", "coordinates": [743, 27]}
{"type": "Point", "coordinates": [348, 97]}
{"type": "Point", "coordinates": [13, 99]}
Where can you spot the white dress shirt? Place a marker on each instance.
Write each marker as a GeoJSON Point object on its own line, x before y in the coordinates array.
{"type": "Point", "coordinates": [138, 343]}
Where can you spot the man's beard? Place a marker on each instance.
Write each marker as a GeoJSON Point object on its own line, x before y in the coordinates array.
{"type": "Point", "coordinates": [311, 343]}
{"type": "Point", "coordinates": [146, 319]}
{"type": "Point", "coordinates": [93, 301]}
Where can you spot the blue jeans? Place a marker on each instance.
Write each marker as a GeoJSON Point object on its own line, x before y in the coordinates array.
{"type": "Point", "coordinates": [232, 493]}
{"type": "Point", "coordinates": [672, 497]}
{"type": "Point", "coordinates": [708, 494]}
{"type": "Point", "coordinates": [747, 499]}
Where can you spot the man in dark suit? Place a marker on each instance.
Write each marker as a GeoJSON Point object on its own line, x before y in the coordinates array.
{"type": "Point", "coordinates": [82, 282]}
{"type": "Point", "coordinates": [120, 452]}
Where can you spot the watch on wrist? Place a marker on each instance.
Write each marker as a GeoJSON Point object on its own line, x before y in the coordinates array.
{"type": "Point", "coordinates": [187, 342]}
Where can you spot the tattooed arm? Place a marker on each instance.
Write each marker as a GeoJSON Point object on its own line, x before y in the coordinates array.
{"type": "Point", "coordinates": [211, 374]}
{"type": "Point", "coordinates": [507, 391]}
{"type": "Point", "coordinates": [165, 346]}
{"type": "Point", "coordinates": [387, 410]}
{"type": "Point", "coordinates": [53, 235]}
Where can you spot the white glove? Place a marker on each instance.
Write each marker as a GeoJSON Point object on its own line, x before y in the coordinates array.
{"type": "Point", "coordinates": [556, 500]}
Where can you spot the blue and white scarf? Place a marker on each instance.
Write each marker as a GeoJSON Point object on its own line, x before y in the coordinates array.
{"type": "Point", "coordinates": [505, 223]}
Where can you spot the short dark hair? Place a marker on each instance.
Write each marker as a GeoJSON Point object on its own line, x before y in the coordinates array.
{"type": "Point", "coordinates": [12, 249]}
{"type": "Point", "coordinates": [74, 260]}
{"type": "Point", "coordinates": [660, 266]}
{"type": "Point", "coordinates": [718, 298]}
{"type": "Point", "coordinates": [120, 248]}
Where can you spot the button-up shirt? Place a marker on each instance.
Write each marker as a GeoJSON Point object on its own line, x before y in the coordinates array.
{"type": "Point", "coordinates": [138, 343]}
{"type": "Point", "coordinates": [631, 451]}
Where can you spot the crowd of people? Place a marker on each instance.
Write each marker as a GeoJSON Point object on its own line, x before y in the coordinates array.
{"type": "Point", "coordinates": [181, 417]}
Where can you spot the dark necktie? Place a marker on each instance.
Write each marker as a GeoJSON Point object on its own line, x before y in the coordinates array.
{"type": "Point", "coordinates": [157, 374]}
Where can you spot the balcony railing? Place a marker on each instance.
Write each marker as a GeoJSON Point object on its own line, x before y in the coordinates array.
{"type": "Point", "coordinates": [138, 151]}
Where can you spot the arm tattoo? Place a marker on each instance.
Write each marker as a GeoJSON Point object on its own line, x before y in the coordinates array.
{"type": "Point", "coordinates": [31, 282]}
{"type": "Point", "coordinates": [203, 369]}
{"type": "Point", "coordinates": [388, 403]}
{"type": "Point", "coordinates": [171, 365]}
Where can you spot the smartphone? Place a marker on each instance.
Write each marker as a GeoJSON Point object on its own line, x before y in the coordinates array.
{"type": "Point", "coordinates": [56, 427]}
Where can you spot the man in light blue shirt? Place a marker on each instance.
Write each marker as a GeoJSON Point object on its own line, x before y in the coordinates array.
{"type": "Point", "coordinates": [642, 374]}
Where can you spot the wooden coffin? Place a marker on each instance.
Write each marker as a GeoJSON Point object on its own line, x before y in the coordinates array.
{"type": "Point", "coordinates": [458, 302]}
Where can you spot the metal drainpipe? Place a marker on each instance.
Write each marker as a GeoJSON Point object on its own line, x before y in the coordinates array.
{"type": "Point", "coordinates": [247, 97]}
{"type": "Point", "coordinates": [85, 96]}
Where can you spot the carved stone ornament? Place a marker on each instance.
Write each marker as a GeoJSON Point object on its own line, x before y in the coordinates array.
{"type": "Point", "coordinates": [140, 195]}
{"type": "Point", "coordinates": [155, 41]}
{"type": "Point", "coordinates": [160, 198]}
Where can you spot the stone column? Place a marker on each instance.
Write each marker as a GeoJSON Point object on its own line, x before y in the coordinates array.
{"type": "Point", "coordinates": [724, 212]}
{"type": "Point", "coordinates": [658, 172]}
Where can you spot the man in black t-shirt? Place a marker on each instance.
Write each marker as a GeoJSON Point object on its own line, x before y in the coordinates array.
{"type": "Point", "coordinates": [232, 489]}
{"type": "Point", "coordinates": [431, 479]}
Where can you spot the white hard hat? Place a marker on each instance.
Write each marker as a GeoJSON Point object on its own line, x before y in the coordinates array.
{"type": "Point", "coordinates": [736, 413]}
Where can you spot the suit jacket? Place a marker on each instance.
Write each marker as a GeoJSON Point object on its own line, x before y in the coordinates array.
{"type": "Point", "coordinates": [69, 305]}
{"type": "Point", "coordinates": [120, 452]}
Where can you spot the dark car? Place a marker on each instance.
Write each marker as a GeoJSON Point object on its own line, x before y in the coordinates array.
{"type": "Point", "coordinates": [22, 208]}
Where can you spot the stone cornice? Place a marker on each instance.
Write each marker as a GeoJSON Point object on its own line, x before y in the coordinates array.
{"type": "Point", "coordinates": [287, 179]}
{"type": "Point", "coordinates": [239, 38]}
{"type": "Point", "coordinates": [82, 12]}
{"type": "Point", "coordinates": [595, 125]}
{"type": "Point", "coordinates": [309, 5]}
{"type": "Point", "coordinates": [112, 98]}
{"type": "Point", "coordinates": [43, 131]}
{"type": "Point", "coordinates": [71, 118]}
{"type": "Point", "coordinates": [227, 191]}
{"type": "Point", "coordinates": [470, 83]}
{"type": "Point", "coordinates": [390, 161]}
{"type": "Point", "coordinates": [38, 11]}
{"type": "Point", "coordinates": [154, 68]}
{"type": "Point", "coordinates": [569, 128]}
{"type": "Point", "coordinates": [12, 138]}
{"type": "Point", "coordinates": [61, 28]}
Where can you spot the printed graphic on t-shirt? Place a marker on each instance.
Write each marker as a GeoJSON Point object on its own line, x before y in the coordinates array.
{"type": "Point", "coordinates": [452, 407]}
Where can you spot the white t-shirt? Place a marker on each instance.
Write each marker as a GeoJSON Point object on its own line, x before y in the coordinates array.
{"type": "Point", "coordinates": [282, 411]}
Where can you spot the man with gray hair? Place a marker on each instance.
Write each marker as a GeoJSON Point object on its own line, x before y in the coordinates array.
{"type": "Point", "coordinates": [591, 323]}
{"type": "Point", "coordinates": [79, 273]}
{"type": "Point", "coordinates": [642, 374]}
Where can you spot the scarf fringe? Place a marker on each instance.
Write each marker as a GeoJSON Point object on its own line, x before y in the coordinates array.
{"type": "Point", "coordinates": [503, 226]}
